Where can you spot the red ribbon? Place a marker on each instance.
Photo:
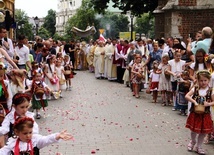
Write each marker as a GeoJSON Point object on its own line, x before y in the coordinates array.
{"type": "Point", "coordinates": [17, 149]}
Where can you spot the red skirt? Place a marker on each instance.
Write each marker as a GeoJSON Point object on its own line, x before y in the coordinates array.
{"type": "Point", "coordinates": [154, 86]}
{"type": "Point", "coordinates": [200, 123]}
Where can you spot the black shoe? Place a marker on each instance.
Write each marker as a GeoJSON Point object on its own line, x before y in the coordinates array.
{"type": "Point", "coordinates": [74, 73]}
{"type": "Point", "coordinates": [38, 116]}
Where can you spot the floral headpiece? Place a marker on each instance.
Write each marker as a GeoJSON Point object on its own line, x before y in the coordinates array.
{"type": "Point", "coordinates": [19, 95]}
{"type": "Point", "coordinates": [22, 120]}
{"type": "Point", "coordinates": [206, 57]}
{"type": "Point", "coordinates": [37, 71]}
{"type": "Point", "coordinates": [203, 72]}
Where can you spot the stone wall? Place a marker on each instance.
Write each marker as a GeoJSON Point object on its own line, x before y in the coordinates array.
{"type": "Point", "coordinates": [159, 26]}
{"type": "Point", "coordinates": [193, 21]}
{"type": "Point", "coordinates": [179, 18]}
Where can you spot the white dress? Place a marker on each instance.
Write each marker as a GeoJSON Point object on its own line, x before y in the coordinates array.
{"type": "Point", "coordinates": [164, 83]}
{"type": "Point", "coordinates": [61, 75]}
{"type": "Point", "coordinates": [53, 87]}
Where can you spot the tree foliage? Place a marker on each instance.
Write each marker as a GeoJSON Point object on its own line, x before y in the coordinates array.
{"type": "Point", "coordinates": [22, 25]}
{"type": "Point", "coordinates": [85, 16]}
{"type": "Point", "coordinates": [136, 7]}
{"type": "Point", "coordinates": [113, 24]}
{"type": "Point", "coordinates": [50, 22]}
{"type": "Point", "coordinates": [43, 33]}
{"type": "Point", "coordinates": [145, 24]}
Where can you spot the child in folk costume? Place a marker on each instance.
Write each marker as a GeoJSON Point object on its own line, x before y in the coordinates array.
{"type": "Point", "coordinates": [28, 143]}
{"type": "Point", "coordinates": [199, 120]}
{"type": "Point", "coordinates": [19, 83]}
{"type": "Point", "coordinates": [21, 103]}
{"type": "Point", "coordinates": [164, 85]}
{"type": "Point", "coordinates": [183, 88]}
{"type": "Point", "coordinates": [68, 71]}
{"type": "Point", "coordinates": [39, 90]}
{"type": "Point", "coordinates": [60, 74]}
{"type": "Point", "coordinates": [154, 78]}
{"type": "Point", "coordinates": [35, 67]}
{"type": "Point", "coordinates": [5, 98]}
{"type": "Point", "coordinates": [210, 137]}
{"type": "Point", "coordinates": [5, 91]}
{"type": "Point", "coordinates": [137, 75]}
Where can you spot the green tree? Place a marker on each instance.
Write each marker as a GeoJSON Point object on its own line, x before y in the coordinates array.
{"type": "Point", "coordinates": [113, 24]}
{"type": "Point", "coordinates": [58, 37]}
{"type": "Point", "coordinates": [145, 24]}
{"type": "Point", "coordinates": [50, 22]}
{"type": "Point", "coordinates": [43, 33]}
{"type": "Point", "coordinates": [85, 16]}
{"type": "Point", "coordinates": [137, 7]}
{"type": "Point", "coordinates": [23, 26]}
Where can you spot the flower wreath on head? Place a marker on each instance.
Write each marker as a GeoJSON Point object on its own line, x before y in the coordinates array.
{"type": "Point", "coordinates": [206, 57]}
{"type": "Point", "coordinates": [203, 72]}
{"type": "Point", "coordinates": [22, 120]}
{"type": "Point", "coordinates": [22, 95]}
{"type": "Point", "coordinates": [37, 71]}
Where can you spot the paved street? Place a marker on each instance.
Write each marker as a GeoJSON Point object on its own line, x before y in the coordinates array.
{"type": "Point", "coordinates": [106, 119]}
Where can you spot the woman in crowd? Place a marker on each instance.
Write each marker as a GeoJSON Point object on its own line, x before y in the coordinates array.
{"type": "Point", "coordinates": [155, 55]}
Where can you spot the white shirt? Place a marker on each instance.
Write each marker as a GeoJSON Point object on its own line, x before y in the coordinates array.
{"type": "Point", "coordinates": [23, 54]}
{"type": "Point", "coordinates": [10, 51]}
{"type": "Point", "coordinates": [155, 77]}
{"type": "Point", "coordinates": [201, 92]}
{"type": "Point", "coordinates": [38, 141]}
{"type": "Point", "coordinates": [176, 67]}
{"type": "Point", "coordinates": [9, 118]}
{"type": "Point", "coordinates": [200, 66]}
{"type": "Point", "coordinates": [142, 49]}
{"type": "Point", "coordinates": [166, 50]}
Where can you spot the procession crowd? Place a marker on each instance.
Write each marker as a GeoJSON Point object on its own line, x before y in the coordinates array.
{"type": "Point", "coordinates": [32, 73]}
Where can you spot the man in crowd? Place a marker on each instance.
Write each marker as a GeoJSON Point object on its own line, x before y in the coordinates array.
{"type": "Point", "coordinates": [99, 62]}
{"type": "Point", "coordinates": [205, 43]}
{"type": "Point", "coordinates": [22, 54]}
{"type": "Point", "coordinates": [5, 42]}
{"type": "Point", "coordinates": [111, 63]}
{"type": "Point", "coordinates": [168, 49]}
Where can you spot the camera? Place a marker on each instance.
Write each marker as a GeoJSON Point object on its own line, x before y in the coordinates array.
{"type": "Point", "coordinates": [17, 58]}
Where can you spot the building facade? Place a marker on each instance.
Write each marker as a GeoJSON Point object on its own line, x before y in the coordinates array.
{"type": "Point", "coordinates": [66, 9]}
{"type": "Point", "coordinates": [9, 6]}
{"type": "Point", "coordinates": [179, 18]}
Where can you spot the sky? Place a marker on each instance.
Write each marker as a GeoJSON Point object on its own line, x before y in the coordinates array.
{"type": "Point", "coordinates": [35, 8]}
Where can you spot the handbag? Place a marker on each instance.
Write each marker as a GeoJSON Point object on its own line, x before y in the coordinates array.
{"type": "Point", "coordinates": [199, 109]}
{"type": "Point", "coordinates": [71, 75]}
{"type": "Point", "coordinates": [61, 80]}
{"type": "Point", "coordinates": [148, 91]}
